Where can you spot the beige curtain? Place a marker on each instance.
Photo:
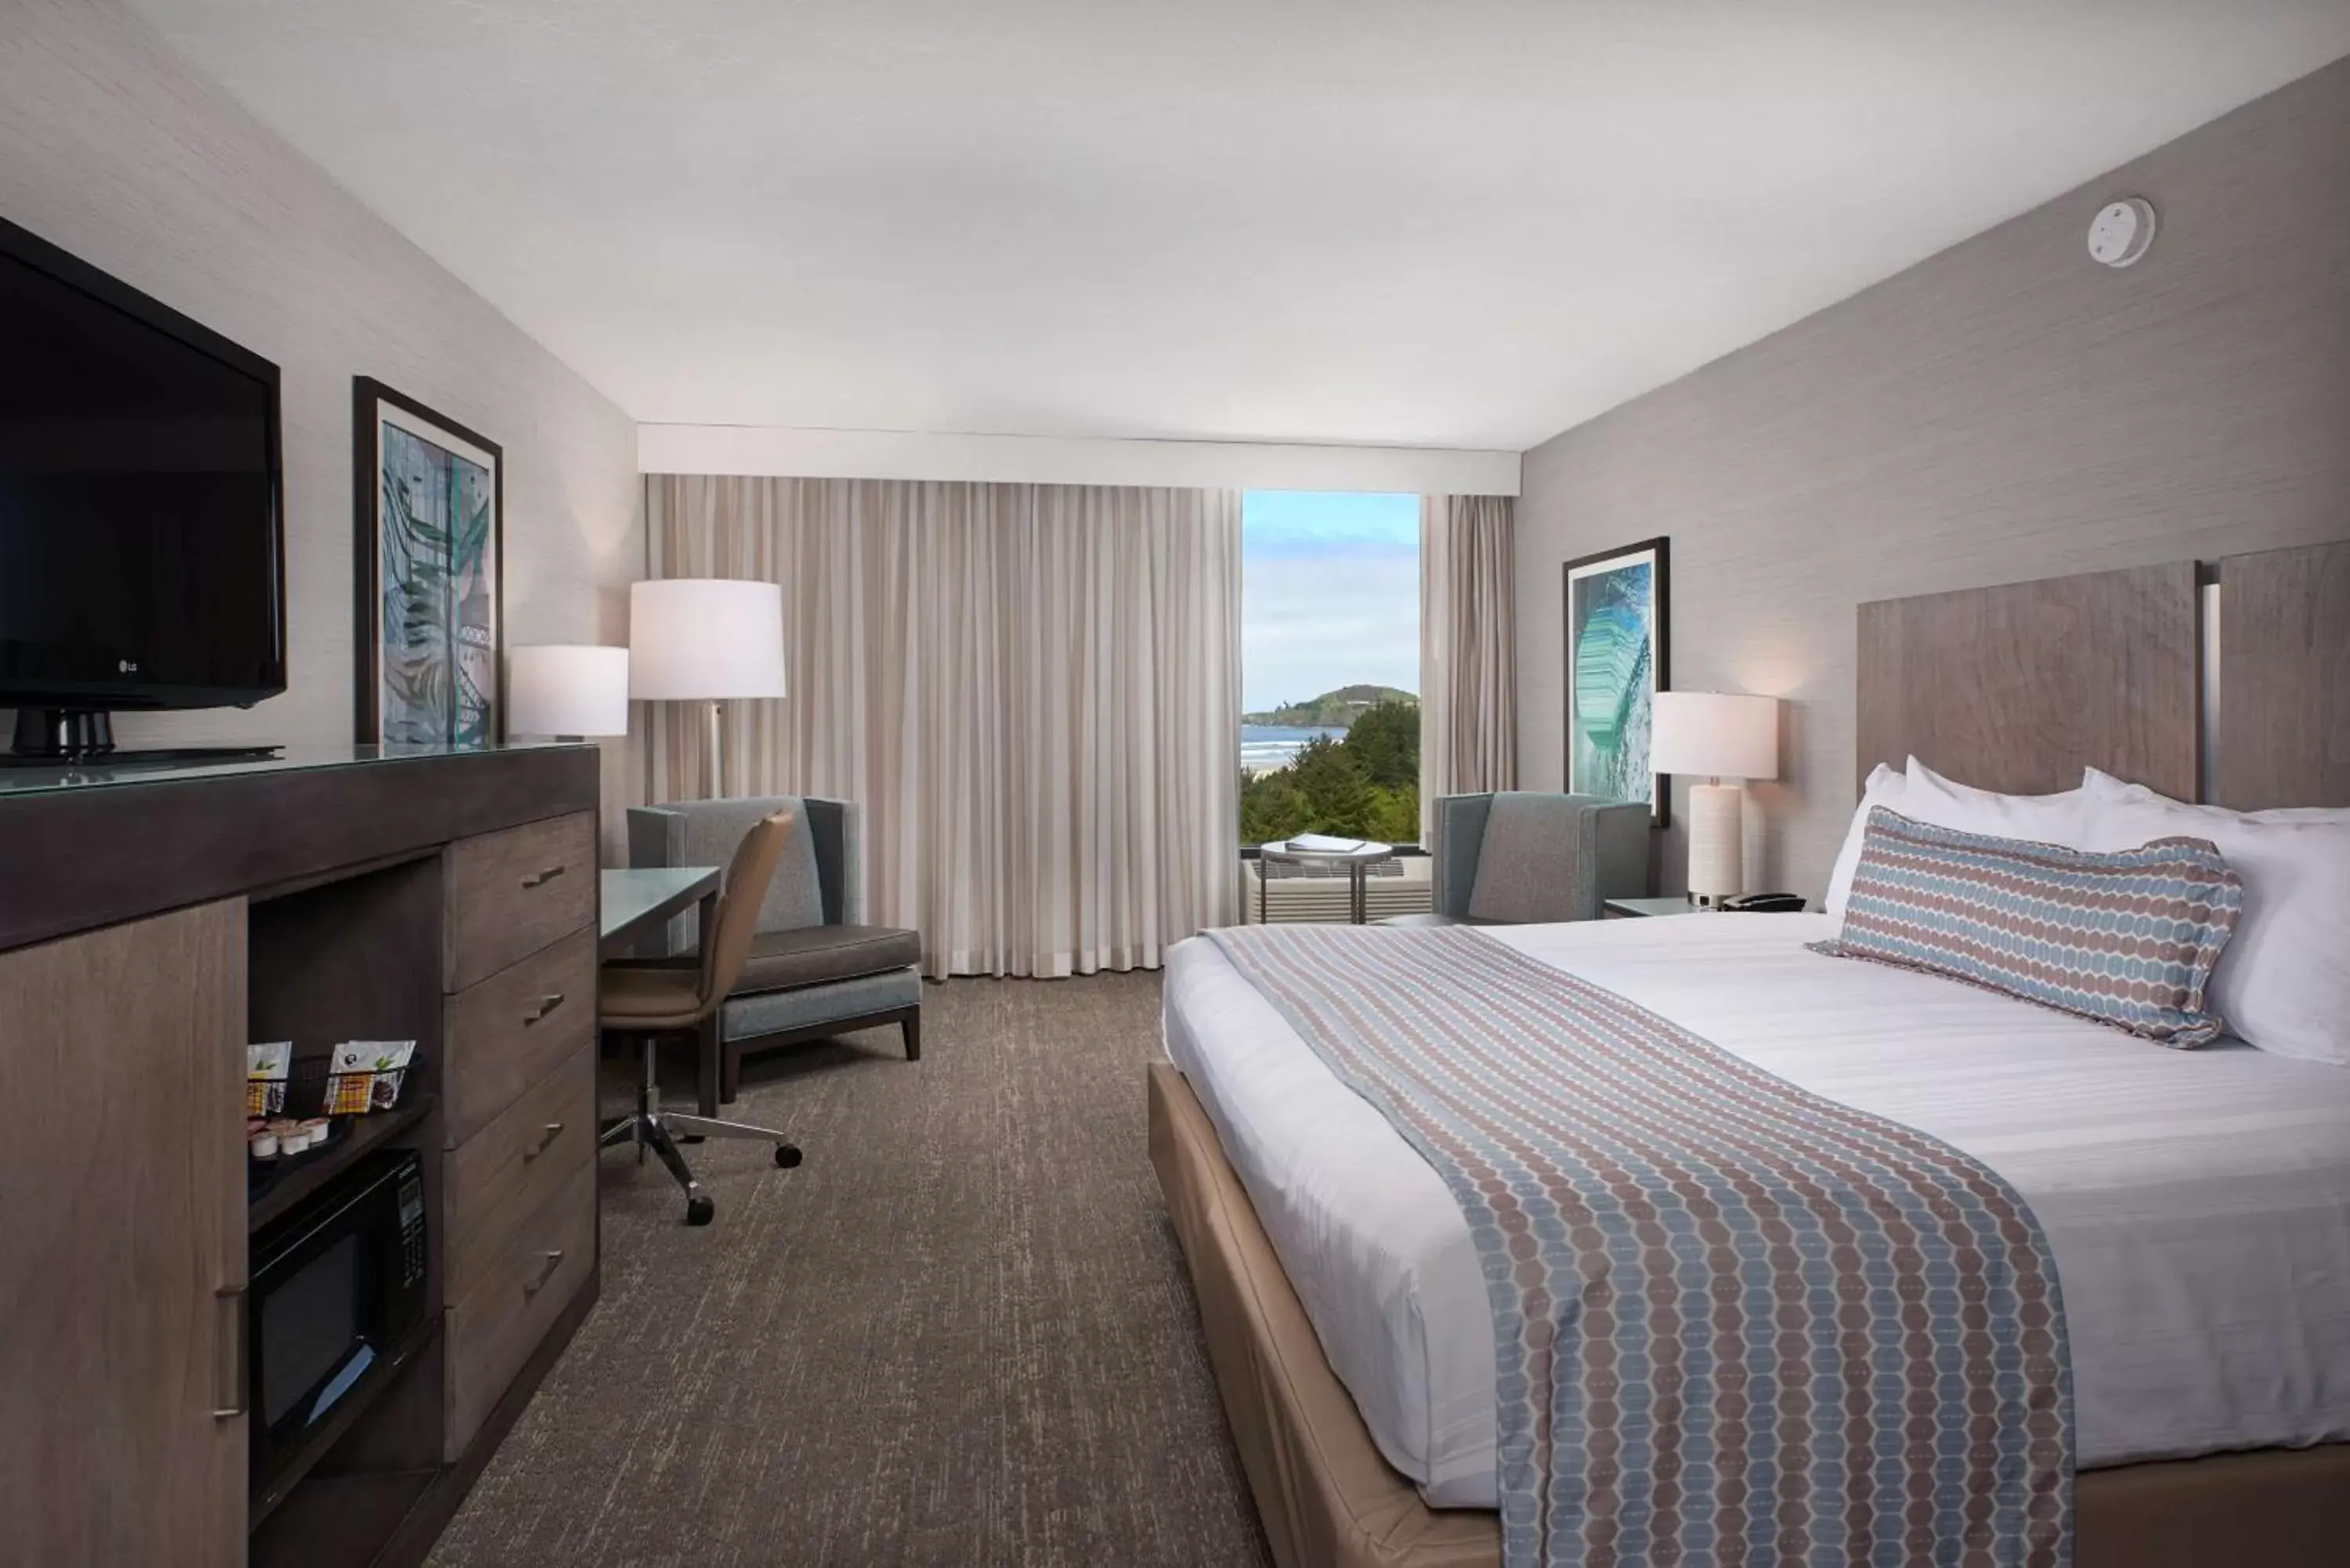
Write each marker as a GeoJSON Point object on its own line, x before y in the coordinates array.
{"type": "Point", "coordinates": [1032, 690]}
{"type": "Point", "coordinates": [1468, 656]}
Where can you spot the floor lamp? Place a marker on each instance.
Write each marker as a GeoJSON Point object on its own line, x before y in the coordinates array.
{"type": "Point", "coordinates": [706, 640]}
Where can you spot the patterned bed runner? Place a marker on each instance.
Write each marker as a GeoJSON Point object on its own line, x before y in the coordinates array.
{"type": "Point", "coordinates": [1734, 1322]}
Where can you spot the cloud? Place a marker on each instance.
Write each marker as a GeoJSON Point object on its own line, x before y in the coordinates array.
{"type": "Point", "coordinates": [1307, 629]}
{"type": "Point", "coordinates": [1330, 594]}
{"type": "Point", "coordinates": [1315, 523]}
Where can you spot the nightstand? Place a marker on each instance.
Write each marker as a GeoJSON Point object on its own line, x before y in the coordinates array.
{"type": "Point", "coordinates": [1635, 909]}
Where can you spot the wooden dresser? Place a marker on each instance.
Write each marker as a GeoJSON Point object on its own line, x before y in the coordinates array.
{"type": "Point", "coordinates": [149, 929]}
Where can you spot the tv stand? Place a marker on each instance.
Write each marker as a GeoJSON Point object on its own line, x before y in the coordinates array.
{"type": "Point", "coordinates": [77, 737]}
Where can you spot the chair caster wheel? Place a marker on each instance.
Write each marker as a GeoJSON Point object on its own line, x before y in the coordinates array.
{"type": "Point", "coordinates": [786, 1155]}
{"type": "Point", "coordinates": [699, 1211]}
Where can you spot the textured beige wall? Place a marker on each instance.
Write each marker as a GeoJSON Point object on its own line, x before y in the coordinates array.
{"type": "Point", "coordinates": [114, 149]}
{"type": "Point", "coordinates": [2004, 410]}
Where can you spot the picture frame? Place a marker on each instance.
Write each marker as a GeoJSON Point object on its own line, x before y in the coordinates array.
{"type": "Point", "coordinates": [428, 571]}
{"type": "Point", "coordinates": [1617, 647]}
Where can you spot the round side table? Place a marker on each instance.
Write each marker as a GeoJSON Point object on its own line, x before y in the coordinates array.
{"type": "Point", "coordinates": [1357, 862]}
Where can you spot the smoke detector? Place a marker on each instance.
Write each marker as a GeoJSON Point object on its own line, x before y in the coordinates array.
{"type": "Point", "coordinates": [2122, 232]}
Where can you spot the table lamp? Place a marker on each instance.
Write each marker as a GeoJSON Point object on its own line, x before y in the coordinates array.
{"type": "Point", "coordinates": [1721, 736]}
{"type": "Point", "coordinates": [706, 640]}
{"type": "Point", "coordinates": [567, 690]}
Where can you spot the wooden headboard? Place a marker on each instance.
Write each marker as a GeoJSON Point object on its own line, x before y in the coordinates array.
{"type": "Point", "coordinates": [2018, 688]}
{"type": "Point", "coordinates": [2285, 679]}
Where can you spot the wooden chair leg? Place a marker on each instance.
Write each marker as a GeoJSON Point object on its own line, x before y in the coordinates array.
{"type": "Point", "coordinates": [706, 1063]}
{"type": "Point", "coordinates": [912, 1025]}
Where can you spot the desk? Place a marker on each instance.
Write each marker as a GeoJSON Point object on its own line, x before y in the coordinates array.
{"type": "Point", "coordinates": [638, 901]}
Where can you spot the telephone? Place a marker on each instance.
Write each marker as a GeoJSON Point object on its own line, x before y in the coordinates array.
{"type": "Point", "coordinates": [1762, 904]}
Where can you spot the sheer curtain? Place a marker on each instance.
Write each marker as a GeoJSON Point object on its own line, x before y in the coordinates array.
{"type": "Point", "coordinates": [1467, 655]}
{"type": "Point", "coordinates": [1033, 691]}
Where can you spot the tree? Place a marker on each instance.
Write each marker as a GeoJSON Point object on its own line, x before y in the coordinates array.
{"type": "Point", "coordinates": [1271, 807]}
{"type": "Point", "coordinates": [1337, 788]}
{"type": "Point", "coordinates": [1386, 738]}
{"type": "Point", "coordinates": [1397, 818]}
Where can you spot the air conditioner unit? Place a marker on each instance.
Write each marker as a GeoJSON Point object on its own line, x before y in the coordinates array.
{"type": "Point", "coordinates": [1403, 886]}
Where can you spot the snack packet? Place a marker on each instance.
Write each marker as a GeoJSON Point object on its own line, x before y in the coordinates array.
{"type": "Point", "coordinates": [365, 1076]}
{"type": "Point", "coordinates": [265, 1068]}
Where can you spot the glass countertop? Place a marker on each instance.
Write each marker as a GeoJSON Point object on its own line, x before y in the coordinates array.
{"type": "Point", "coordinates": [17, 782]}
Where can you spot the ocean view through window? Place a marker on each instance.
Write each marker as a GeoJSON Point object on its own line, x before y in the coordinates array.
{"type": "Point", "coordinates": [1330, 665]}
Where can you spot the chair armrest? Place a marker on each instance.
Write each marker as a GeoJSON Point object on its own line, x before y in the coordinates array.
{"type": "Point", "coordinates": [1620, 846]}
{"type": "Point", "coordinates": [837, 830]}
{"type": "Point", "coordinates": [1459, 822]}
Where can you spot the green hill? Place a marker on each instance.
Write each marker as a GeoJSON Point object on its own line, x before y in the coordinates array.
{"type": "Point", "coordinates": [1332, 709]}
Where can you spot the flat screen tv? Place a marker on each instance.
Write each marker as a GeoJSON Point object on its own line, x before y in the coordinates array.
{"type": "Point", "coordinates": [141, 529]}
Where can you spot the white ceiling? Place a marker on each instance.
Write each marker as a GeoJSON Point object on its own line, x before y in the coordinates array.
{"type": "Point", "coordinates": [1453, 224]}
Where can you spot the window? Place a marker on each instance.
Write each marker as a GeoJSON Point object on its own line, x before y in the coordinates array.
{"type": "Point", "coordinates": [1329, 665]}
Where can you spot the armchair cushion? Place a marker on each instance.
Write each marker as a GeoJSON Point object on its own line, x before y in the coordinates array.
{"type": "Point", "coordinates": [817, 955]}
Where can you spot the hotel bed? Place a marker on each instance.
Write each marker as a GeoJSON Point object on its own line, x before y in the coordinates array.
{"type": "Point", "coordinates": [2196, 1202]}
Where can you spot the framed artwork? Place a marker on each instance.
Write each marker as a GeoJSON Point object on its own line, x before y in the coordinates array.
{"type": "Point", "coordinates": [1616, 662]}
{"type": "Point", "coordinates": [428, 561]}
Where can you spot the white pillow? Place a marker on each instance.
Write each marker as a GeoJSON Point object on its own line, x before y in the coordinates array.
{"type": "Point", "coordinates": [2284, 982]}
{"type": "Point", "coordinates": [1884, 788]}
{"type": "Point", "coordinates": [2061, 819]}
{"type": "Point", "coordinates": [2103, 786]}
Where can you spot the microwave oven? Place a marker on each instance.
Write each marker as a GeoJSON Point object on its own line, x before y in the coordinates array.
{"type": "Point", "coordinates": [337, 1297]}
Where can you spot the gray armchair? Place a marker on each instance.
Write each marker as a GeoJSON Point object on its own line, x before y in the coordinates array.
{"type": "Point", "coordinates": [814, 969]}
{"type": "Point", "coordinates": [1519, 857]}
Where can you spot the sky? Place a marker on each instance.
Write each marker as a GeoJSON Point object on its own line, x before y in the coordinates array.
{"type": "Point", "coordinates": [1329, 594]}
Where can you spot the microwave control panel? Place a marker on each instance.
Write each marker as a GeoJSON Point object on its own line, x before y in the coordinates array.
{"type": "Point", "coordinates": [412, 1228]}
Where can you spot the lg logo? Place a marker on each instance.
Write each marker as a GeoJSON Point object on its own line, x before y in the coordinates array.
{"type": "Point", "coordinates": [128, 666]}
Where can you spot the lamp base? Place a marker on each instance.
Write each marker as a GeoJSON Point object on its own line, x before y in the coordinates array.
{"type": "Point", "coordinates": [1716, 856]}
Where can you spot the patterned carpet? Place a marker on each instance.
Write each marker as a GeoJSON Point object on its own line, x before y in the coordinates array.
{"type": "Point", "coordinates": [960, 1334]}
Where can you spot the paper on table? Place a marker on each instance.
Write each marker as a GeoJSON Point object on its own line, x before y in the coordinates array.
{"type": "Point", "coordinates": [1322, 844]}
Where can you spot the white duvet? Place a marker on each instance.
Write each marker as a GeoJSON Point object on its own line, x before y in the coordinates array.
{"type": "Point", "coordinates": [2197, 1201]}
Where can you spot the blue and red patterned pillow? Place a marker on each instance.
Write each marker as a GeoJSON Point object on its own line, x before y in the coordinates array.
{"type": "Point", "coordinates": [2126, 938]}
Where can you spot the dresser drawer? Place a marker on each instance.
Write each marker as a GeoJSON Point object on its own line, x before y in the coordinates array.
{"type": "Point", "coordinates": [506, 1034]}
{"type": "Point", "coordinates": [512, 893]}
{"type": "Point", "coordinates": [501, 1175]}
{"type": "Point", "coordinates": [515, 1300]}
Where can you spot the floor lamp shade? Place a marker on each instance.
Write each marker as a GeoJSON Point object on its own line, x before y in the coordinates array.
{"type": "Point", "coordinates": [567, 689]}
{"type": "Point", "coordinates": [1720, 736]}
{"type": "Point", "coordinates": [706, 639]}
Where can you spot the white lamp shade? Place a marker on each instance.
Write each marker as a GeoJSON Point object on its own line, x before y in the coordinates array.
{"type": "Point", "coordinates": [706, 639]}
{"type": "Point", "coordinates": [1713, 735]}
{"type": "Point", "coordinates": [567, 689]}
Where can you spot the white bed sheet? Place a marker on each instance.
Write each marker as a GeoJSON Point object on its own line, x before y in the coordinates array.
{"type": "Point", "coordinates": [2197, 1201]}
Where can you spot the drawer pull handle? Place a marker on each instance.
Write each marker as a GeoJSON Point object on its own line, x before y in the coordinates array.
{"type": "Point", "coordinates": [541, 878]}
{"type": "Point", "coordinates": [553, 1130]}
{"type": "Point", "coordinates": [230, 1396]}
{"type": "Point", "coordinates": [554, 1260]}
{"type": "Point", "coordinates": [547, 1004]}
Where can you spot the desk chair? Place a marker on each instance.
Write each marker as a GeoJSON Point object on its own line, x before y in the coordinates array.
{"type": "Point", "coordinates": [649, 1002]}
{"type": "Point", "coordinates": [815, 968]}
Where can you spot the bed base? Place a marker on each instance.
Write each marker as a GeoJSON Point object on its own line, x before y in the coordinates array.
{"type": "Point", "coordinates": [1329, 1498]}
